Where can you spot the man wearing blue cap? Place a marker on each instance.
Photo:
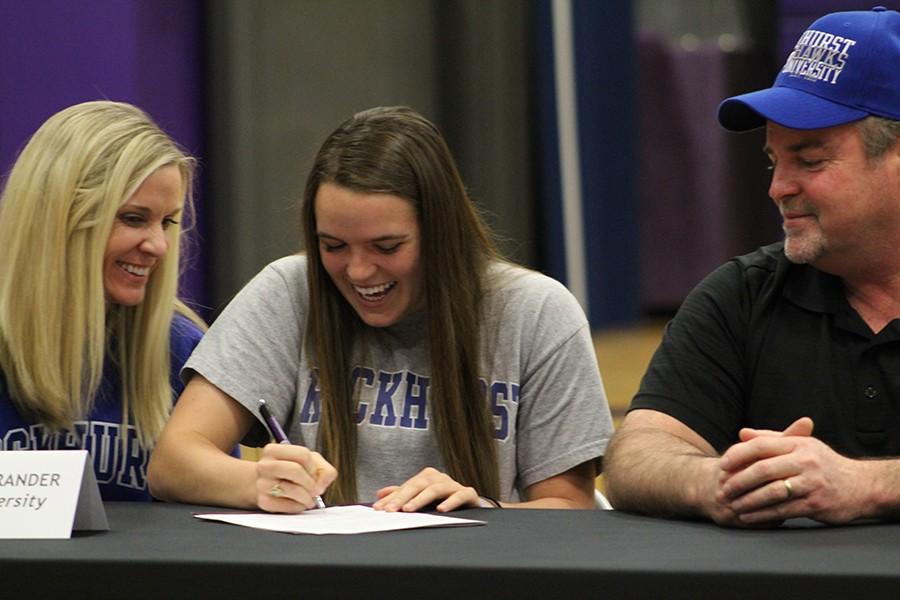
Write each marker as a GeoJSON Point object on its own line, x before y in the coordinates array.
{"type": "Point", "coordinates": [775, 392]}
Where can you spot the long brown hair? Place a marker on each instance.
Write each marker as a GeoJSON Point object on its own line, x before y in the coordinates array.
{"type": "Point", "coordinates": [394, 150]}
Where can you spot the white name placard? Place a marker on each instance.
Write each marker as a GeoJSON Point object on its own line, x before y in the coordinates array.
{"type": "Point", "coordinates": [48, 493]}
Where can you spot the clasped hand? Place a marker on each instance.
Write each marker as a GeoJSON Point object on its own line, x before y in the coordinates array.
{"type": "Point", "coordinates": [770, 476]}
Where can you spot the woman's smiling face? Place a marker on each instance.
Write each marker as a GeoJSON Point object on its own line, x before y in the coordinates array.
{"type": "Point", "coordinates": [370, 247]}
{"type": "Point", "coordinates": [139, 238]}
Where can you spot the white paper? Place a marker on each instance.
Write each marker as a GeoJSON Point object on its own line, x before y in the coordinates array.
{"type": "Point", "coordinates": [338, 519]}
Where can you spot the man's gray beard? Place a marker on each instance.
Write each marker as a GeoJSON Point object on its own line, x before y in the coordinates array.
{"type": "Point", "coordinates": [803, 252]}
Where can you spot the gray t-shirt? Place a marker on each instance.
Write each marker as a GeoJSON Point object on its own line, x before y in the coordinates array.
{"type": "Point", "coordinates": [538, 366]}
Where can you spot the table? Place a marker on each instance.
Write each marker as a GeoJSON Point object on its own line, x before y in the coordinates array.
{"type": "Point", "coordinates": [159, 550]}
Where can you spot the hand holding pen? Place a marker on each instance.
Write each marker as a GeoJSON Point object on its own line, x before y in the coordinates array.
{"type": "Point", "coordinates": [296, 471]}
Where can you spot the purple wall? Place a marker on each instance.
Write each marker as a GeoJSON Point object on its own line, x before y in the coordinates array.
{"type": "Point", "coordinates": [55, 53]}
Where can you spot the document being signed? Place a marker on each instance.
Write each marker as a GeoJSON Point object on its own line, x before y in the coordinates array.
{"type": "Point", "coordinates": [338, 519]}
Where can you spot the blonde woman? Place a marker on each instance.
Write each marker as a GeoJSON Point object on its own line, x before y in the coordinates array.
{"type": "Point", "coordinates": [91, 333]}
{"type": "Point", "coordinates": [409, 364]}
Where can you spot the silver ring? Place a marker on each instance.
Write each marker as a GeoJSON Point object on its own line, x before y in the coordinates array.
{"type": "Point", "coordinates": [275, 491]}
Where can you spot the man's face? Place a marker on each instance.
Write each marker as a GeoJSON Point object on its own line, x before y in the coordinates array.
{"type": "Point", "coordinates": [841, 210]}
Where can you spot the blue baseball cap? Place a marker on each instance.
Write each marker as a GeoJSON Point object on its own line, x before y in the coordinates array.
{"type": "Point", "coordinates": [845, 67]}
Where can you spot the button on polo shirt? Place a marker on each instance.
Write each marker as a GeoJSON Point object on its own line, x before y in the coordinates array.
{"type": "Point", "coordinates": [762, 342]}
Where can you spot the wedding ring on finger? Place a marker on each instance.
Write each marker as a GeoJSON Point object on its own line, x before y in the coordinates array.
{"type": "Point", "coordinates": [275, 491]}
{"type": "Point", "coordinates": [788, 488]}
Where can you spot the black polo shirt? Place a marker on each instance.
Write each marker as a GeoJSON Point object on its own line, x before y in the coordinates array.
{"type": "Point", "coordinates": [761, 342]}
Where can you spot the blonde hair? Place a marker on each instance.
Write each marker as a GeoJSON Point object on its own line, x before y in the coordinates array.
{"type": "Point", "coordinates": [56, 216]}
{"type": "Point", "coordinates": [395, 150]}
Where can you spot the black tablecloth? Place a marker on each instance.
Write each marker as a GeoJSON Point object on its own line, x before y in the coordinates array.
{"type": "Point", "coordinates": [159, 550]}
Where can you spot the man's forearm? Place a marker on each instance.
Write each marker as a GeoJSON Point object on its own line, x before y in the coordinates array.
{"type": "Point", "coordinates": [654, 472]}
{"type": "Point", "coordinates": [882, 480]}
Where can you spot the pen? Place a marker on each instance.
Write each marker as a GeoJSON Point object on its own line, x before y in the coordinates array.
{"type": "Point", "coordinates": [278, 434]}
